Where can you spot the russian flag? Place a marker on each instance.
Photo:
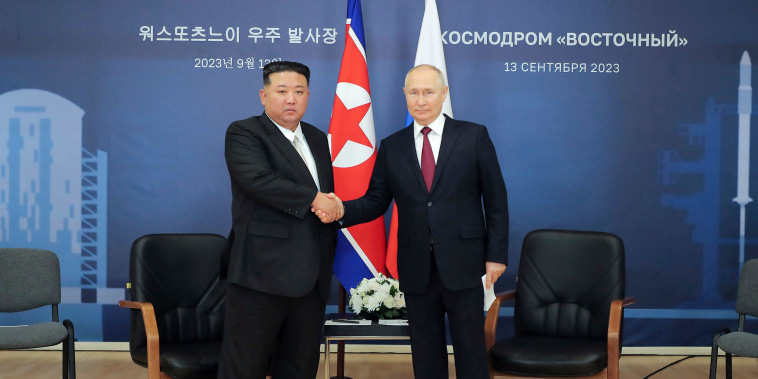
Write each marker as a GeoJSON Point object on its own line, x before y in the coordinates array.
{"type": "Point", "coordinates": [360, 248]}
{"type": "Point", "coordinates": [428, 51]}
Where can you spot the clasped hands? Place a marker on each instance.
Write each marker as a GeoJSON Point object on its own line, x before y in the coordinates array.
{"type": "Point", "coordinates": [328, 207]}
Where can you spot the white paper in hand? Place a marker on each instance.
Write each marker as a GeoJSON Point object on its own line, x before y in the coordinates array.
{"type": "Point", "coordinates": [489, 294]}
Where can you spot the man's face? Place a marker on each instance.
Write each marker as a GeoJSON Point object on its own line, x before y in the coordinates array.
{"type": "Point", "coordinates": [285, 99]}
{"type": "Point", "coordinates": [424, 94]}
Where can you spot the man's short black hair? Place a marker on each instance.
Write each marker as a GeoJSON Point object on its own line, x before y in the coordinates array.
{"type": "Point", "coordinates": [282, 66]}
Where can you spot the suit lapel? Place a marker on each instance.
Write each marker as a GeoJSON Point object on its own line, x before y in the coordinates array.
{"type": "Point", "coordinates": [288, 151]}
{"type": "Point", "coordinates": [322, 157]}
{"type": "Point", "coordinates": [450, 136]}
{"type": "Point", "coordinates": [408, 152]}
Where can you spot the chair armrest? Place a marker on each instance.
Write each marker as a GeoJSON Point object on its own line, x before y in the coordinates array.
{"type": "Point", "coordinates": [490, 323]}
{"type": "Point", "coordinates": [614, 322]}
{"type": "Point", "coordinates": [614, 330]}
{"type": "Point", "coordinates": [151, 331]}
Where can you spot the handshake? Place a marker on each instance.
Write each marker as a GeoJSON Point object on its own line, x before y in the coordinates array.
{"type": "Point", "coordinates": [327, 207]}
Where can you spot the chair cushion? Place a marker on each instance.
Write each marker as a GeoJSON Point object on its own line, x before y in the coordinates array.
{"type": "Point", "coordinates": [179, 275]}
{"type": "Point", "coordinates": [186, 360]}
{"type": "Point", "coordinates": [548, 356]}
{"type": "Point", "coordinates": [740, 343]}
{"type": "Point", "coordinates": [29, 336]}
{"type": "Point", "coordinates": [29, 278]}
{"type": "Point", "coordinates": [566, 283]}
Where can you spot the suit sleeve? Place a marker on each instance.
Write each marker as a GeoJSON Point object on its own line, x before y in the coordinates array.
{"type": "Point", "coordinates": [251, 169]}
{"type": "Point", "coordinates": [494, 198]}
{"type": "Point", "coordinates": [377, 198]}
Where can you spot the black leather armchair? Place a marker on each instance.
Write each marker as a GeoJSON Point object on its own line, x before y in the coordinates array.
{"type": "Point", "coordinates": [177, 301]}
{"type": "Point", "coordinates": [568, 308]}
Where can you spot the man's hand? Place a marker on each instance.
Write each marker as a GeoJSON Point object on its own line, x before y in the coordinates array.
{"type": "Point", "coordinates": [328, 207]}
{"type": "Point", "coordinates": [341, 206]}
{"type": "Point", "coordinates": [494, 270]}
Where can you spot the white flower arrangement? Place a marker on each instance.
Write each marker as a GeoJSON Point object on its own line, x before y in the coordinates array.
{"type": "Point", "coordinates": [378, 298]}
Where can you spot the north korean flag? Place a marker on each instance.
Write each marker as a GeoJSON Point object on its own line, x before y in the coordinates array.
{"type": "Point", "coordinates": [361, 248]}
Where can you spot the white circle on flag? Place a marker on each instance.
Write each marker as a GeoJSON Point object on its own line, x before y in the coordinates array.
{"type": "Point", "coordinates": [353, 154]}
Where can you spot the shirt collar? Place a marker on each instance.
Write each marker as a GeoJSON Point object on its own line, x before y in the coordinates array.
{"type": "Point", "coordinates": [437, 125]}
{"type": "Point", "coordinates": [288, 133]}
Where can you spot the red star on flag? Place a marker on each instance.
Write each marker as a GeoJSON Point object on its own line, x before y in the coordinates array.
{"type": "Point", "coordinates": [350, 130]}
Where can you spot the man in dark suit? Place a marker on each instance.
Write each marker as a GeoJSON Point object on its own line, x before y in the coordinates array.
{"type": "Point", "coordinates": [281, 257]}
{"type": "Point", "coordinates": [453, 225]}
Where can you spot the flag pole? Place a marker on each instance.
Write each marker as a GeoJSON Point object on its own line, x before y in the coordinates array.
{"type": "Point", "coordinates": [341, 344]}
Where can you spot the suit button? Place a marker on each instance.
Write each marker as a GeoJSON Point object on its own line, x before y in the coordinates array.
{"type": "Point", "coordinates": [429, 204]}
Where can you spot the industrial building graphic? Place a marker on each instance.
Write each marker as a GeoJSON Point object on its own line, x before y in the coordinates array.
{"type": "Point", "coordinates": [53, 192]}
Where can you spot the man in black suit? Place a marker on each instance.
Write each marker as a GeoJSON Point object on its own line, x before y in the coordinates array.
{"type": "Point", "coordinates": [281, 257]}
{"type": "Point", "coordinates": [453, 225]}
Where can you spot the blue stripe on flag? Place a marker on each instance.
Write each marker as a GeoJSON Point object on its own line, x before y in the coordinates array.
{"type": "Point", "coordinates": [356, 20]}
{"type": "Point", "coordinates": [348, 265]}
{"type": "Point", "coordinates": [408, 118]}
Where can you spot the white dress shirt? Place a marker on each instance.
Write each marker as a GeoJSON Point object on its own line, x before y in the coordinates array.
{"type": "Point", "coordinates": [435, 137]}
{"type": "Point", "coordinates": [310, 162]}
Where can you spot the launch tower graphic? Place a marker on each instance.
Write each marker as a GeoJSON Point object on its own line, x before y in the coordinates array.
{"type": "Point", "coordinates": [704, 208]}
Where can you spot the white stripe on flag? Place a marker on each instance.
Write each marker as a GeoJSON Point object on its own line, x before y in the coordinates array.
{"type": "Point", "coordinates": [358, 43]}
{"type": "Point", "coordinates": [430, 50]}
{"type": "Point", "coordinates": [360, 252]}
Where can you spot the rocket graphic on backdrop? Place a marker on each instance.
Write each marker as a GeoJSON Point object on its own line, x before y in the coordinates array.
{"type": "Point", "coordinates": [704, 208]}
{"type": "Point", "coordinates": [744, 109]}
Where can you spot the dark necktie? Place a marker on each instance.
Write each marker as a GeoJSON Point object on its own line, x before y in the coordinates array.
{"type": "Point", "coordinates": [427, 159]}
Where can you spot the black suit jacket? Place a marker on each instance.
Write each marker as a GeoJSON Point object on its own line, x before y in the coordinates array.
{"type": "Point", "coordinates": [465, 216]}
{"type": "Point", "coordinates": [280, 247]}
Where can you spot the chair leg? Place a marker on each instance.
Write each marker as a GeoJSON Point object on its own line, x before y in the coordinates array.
{"type": "Point", "coordinates": [489, 365]}
{"type": "Point", "coordinates": [69, 353]}
{"type": "Point", "coordinates": [715, 352]}
{"type": "Point", "coordinates": [728, 366]}
{"type": "Point", "coordinates": [65, 358]}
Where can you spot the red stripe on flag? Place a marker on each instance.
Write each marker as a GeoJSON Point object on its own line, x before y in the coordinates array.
{"type": "Point", "coordinates": [391, 259]}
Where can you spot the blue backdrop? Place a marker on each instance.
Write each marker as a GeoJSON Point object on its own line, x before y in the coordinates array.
{"type": "Point", "coordinates": [615, 116]}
